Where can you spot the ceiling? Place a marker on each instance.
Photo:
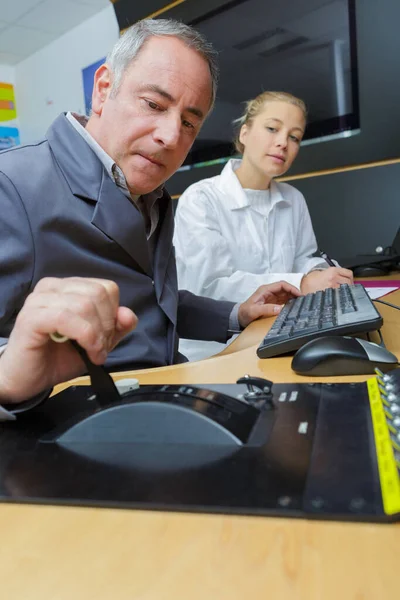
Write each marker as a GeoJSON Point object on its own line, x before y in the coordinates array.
{"type": "Point", "coordinates": [28, 25]}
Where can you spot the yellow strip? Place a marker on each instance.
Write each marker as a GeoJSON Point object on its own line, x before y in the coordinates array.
{"type": "Point", "coordinates": [164, 9]}
{"type": "Point", "coordinates": [396, 446]}
{"type": "Point", "coordinates": [388, 473]}
{"type": "Point", "coordinates": [369, 165]}
{"type": "Point", "coordinates": [388, 415]}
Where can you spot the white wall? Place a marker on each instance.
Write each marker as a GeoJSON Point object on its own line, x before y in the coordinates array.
{"type": "Point", "coordinates": [7, 74]}
{"type": "Point", "coordinates": [50, 81]}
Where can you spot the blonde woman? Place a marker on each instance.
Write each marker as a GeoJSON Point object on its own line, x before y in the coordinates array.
{"type": "Point", "coordinates": [241, 229]}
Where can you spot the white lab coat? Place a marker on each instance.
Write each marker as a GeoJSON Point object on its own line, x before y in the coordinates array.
{"type": "Point", "coordinates": [229, 241]}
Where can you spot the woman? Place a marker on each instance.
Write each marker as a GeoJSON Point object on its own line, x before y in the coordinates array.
{"type": "Point", "coordinates": [241, 229]}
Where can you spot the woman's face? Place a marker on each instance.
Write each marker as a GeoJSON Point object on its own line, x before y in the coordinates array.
{"type": "Point", "coordinates": [272, 140]}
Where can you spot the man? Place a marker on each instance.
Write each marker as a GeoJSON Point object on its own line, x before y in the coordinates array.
{"type": "Point", "coordinates": [88, 202]}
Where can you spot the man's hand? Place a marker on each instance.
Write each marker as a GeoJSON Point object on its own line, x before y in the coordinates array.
{"type": "Point", "coordinates": [85, 310]}
{"type": "Point", "coordinates": [267, 301]}
{"type": "Point", "coordinates": [328, 278]}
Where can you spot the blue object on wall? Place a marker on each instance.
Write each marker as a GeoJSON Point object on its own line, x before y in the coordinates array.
{"type": "Point", "coordinates": [88, 77]}
{"type": "Point", "coordinates": [9, 136]}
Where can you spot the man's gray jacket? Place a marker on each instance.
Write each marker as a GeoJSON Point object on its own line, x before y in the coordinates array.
{"type": "Point", "coordinates": [61, 215]}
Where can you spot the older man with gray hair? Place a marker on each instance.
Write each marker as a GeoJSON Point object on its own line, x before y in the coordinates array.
{"type": "Point", "coordinates": [87, 225]}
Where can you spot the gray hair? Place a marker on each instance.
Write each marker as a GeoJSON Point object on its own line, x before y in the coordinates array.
{"type": "Point", "coordinates": [129, 44]}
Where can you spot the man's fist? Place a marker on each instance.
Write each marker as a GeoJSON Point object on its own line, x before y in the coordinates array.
{"type": "Point", "coordinates": [85, 310]}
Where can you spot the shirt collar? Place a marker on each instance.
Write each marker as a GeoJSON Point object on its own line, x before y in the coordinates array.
{"type": "Point", "coordinates": [236, 196]}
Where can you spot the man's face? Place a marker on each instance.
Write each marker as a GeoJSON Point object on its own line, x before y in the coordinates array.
{"type": "Point", "coordinates": [149, 125]}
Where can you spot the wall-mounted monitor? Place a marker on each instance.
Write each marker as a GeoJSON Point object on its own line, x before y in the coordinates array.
{"type": "Point", "coordinates": [306, 47]}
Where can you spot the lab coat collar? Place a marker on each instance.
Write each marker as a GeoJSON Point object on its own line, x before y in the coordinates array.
{"type": "Point", "coordinates": [234, 195]}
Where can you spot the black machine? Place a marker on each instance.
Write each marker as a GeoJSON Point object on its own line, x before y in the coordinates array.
{"type": "Point", "coordinates": [371, 265]}
{"type": "Point", "coordinates": [327, 451]}
{"type": "Point", "coordinates": [333, 312]}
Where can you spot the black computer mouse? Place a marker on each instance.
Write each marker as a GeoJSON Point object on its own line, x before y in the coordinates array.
{"type": "Point", "coordinates": [341, 355]}
{"type": "Point", "coordinates": [370, 271]}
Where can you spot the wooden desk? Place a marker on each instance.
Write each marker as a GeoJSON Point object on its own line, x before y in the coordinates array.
{"type": "Point", "coordinates": [84, 553]}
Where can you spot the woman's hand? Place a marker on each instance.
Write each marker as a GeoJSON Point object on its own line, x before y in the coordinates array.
{"type": "Point", "coordinates": [327, 278]}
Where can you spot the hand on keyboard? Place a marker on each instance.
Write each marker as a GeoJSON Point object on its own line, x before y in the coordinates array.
{"type": "Point", "coordinates": [345, 310]}
{"type": "Point", "coordinates": [328, 278]}
{"type": "Point", "coordinates": [266, 301]}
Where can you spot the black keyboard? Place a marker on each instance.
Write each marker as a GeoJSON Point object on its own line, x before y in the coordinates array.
{"type": "Point", "coordinates": [338, 311]}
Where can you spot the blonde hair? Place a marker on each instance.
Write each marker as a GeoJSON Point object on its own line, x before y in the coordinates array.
{"type": "Point", "coordinates": [255, 106]}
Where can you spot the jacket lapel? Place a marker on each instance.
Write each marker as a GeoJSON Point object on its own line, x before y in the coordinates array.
{"type": "Point", "coordinates": [114, 214]}
{"type": "Point", "coordinates": [117, 217]}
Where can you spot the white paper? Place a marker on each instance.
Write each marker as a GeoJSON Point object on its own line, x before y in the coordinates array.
{"type": "Point", "coordinates": [377, 292]}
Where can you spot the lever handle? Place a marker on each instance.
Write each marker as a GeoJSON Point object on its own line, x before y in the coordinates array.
{"type": "Point", "coordinates": [264, 385]}
{"type": "Point", "coordinates": [101, 382]}
{"type": "Point", "coordinates": [262, 395]}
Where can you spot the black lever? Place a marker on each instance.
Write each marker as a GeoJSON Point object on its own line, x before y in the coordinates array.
{"type": "Point", "coordinates": [102, 383]}
{"type": "Point", "coordinates": [262, 391]}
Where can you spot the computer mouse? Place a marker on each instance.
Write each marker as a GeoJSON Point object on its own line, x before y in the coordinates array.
{"type": "Point", "coordinates": [369, 271]}
{"type": "Point", "coordinates": [341, 355]}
